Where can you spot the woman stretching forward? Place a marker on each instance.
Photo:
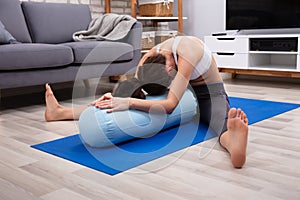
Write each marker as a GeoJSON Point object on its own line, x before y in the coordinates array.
{"type": "Point", "coordinates": [195, 66]}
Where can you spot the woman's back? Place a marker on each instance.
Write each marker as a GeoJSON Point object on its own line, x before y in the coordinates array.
{"type": "Point", "coordinates": [192, 50]}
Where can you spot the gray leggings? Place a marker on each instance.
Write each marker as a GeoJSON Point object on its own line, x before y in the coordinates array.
{"type": "Point", "coordinates": [213, 105]}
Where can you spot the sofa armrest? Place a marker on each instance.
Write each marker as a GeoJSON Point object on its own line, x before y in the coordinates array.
{"type": "Point", "coordinates": [134, 37]}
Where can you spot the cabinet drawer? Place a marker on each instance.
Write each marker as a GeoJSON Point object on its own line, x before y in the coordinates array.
{"type": "Point", "coordinates": [231, 60]}
{"type": "Point", "coordinates": [227, 44]}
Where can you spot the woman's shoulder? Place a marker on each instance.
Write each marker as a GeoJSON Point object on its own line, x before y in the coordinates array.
{"type": "Point", "coordinates": [190, 48]}
{"type": "Point", "coordinates": [163, 46]}
{"type": "Point", "coordinates": [167, 43]}
{"type": "Point", "coordinates": [190, 40]}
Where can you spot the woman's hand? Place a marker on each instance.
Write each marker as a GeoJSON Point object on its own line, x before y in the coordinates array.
{"type": "Point", "coordinates": [107, 101]}
{"type": "Point", "coordinates": [106, 96]}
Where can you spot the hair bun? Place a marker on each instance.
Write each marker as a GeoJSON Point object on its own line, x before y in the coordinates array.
{"type": "Point", "coordinates": [129, 88]}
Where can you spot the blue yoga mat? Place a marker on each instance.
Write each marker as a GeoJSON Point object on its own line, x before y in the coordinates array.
{"type": "Point", "coordinates": [133, 153]}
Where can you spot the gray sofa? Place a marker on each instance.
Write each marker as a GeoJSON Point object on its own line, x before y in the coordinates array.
{"type": "Point", "coordinates": [47, 52]}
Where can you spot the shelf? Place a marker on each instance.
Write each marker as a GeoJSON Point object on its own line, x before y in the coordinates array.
{"type": "Point", "coordinates": [179, 19]}
{"type": "Point", "coordinates": [261, 72]}
{"type": "Point", "coordinates": [290, 68]}
{"type": "Point", "coordinates": [280, 62]}
{"type": "Point", "coordinates": [159, 18]}
{"type": "Point", "coordinates": [274, 52]}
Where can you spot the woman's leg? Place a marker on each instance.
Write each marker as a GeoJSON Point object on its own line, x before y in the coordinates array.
{"type": "Point", "coordinates": [56, 112]}
{"type": "Point", "coordinates": [230, 124]}
{"type": "Point", "coordinates": [234, 140]}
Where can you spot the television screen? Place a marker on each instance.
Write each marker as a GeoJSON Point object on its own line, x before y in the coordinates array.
{"type": "Point", "coordinates": [262, 14]}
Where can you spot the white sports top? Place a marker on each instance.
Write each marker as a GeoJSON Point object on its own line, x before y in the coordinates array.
{"type": "Point", "coordinates": [202, 66]}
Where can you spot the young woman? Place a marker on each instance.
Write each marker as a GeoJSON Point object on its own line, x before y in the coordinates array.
{"type": "Point", "coordinates": [195, 66]}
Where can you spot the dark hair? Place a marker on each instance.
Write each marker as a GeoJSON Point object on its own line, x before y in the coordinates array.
{"type": "Point", "coordinates": [153, 75]}
{"type": "Point", "coordinates": [157, 58]}
{"type": "Point", "coordinates": [129, 88]}
{"type": "Point", "coordinates": [152, 78]}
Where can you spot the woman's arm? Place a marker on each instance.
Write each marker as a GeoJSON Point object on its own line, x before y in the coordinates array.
{"type": "Point", "coordinates": [177, 89]}
{"type": "Point", "coordinates": [157, 106]}
{"type": "Point", "coordinates": [145, 56]}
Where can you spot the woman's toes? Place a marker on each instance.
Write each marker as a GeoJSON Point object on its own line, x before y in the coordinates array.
{"type": "Point", "coordinates": [239, 112]}
{"type": "Point", "coordinates": [232, 113]}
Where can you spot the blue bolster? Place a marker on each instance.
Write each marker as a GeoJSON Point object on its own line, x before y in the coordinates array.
{"type": "Point", "coordinates": [101, 129]}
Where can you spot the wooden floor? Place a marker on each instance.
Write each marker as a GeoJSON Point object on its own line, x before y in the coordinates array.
{"type": "Point", "coordinates": [271, 171]}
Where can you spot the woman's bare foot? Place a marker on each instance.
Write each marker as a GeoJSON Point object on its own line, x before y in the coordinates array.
{"type": "Point", "coordinates": [54, 110]}
{"type": "Point", "coordinates": [236, 137]}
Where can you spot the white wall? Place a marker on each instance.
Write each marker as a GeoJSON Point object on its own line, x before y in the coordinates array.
{"type": "Point", "coordinates": [204, 17]}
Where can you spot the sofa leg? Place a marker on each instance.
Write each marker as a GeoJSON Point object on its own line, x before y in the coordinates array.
{"type": "Point", "coordinates": [87, 83]}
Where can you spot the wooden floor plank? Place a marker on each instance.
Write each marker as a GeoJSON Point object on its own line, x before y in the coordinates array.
{"type": "Point", "coordinates": [202, 171]}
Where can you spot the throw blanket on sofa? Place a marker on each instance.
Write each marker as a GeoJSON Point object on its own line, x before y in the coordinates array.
{"type": "Point", "coordinates": [5, 36]}
{"type": "Point", "coordinates": [107, 27]}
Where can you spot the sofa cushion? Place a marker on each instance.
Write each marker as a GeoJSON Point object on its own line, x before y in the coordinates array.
{"type": "Point", "coordinates": [100, 51]}
{"type": "Point", "coordinates": [12, 17]}
{"type": "Point", "coordinates": [29, 56]}
{"type": "Point", "coordinates": [55, 22]}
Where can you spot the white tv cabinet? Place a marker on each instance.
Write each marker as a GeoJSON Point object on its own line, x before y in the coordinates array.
{"type": "Point", "coordinates": [233, 55]}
